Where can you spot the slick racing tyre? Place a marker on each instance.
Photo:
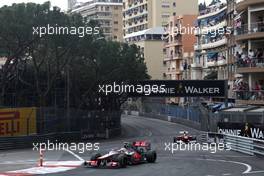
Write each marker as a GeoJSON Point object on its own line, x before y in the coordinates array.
{"type": "Point", "coordinates": [95, 157]}
{"type": "Point", "coordinates": [151, 156]}
{"type": "Point", "coordinates": [122, 160]}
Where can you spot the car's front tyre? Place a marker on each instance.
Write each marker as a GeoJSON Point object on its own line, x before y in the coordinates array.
{"type": "Point", "coordinates": [122, 160]}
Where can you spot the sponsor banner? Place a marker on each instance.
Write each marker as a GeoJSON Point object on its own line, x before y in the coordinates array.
{"type": "Point", "coordinates": [168, 88]}
{"type": "Point", "coordinates": [242, 129]}
{"type": "Point", "coordinates": [17, 121]}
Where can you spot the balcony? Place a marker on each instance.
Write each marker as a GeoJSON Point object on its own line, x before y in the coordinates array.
{"type": "Point", "coordinates": [168, 58]}
{"type": "Point", "coordinates": [254, 31]}
{"type": "Point", "coordinates": [215, 44]}
{"type": "Point", "coordinates": [197, 47]}
{"type": "Point", "coordinates": [172, 57]}
{"type": "Point", "coordinates": [255, 97]}
{"type": "Point", "coordinates": [211, 64]}
{"type": "Point", "coordinates": [221, 62]}
{"type": "Point", "coordinates": [250, 66]}
{"type": "Point", "coordinates": [177, 56]}
{"type": "Point", "coordinates": [212, 11]}
{"type": "Point", "coordinates": [173, 43]}
{"type": "Point", "coordinates": [244, 4]}
{"type": "Point", "coordinates": [217, 26]}
{"type": "Point", "coordinates": [104, 17]}
{"type": "Point", "coordinates": [196, 65]}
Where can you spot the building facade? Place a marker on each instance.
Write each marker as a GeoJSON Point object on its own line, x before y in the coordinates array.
{"type": "Point", "coordinates": [139, 15]}
{"type": "Point", "coordinates": [249, 52]}
{"type": "Point", "coordinates": [71, 4]}
{"type": "Point", "coordinates": [178, 47]}
{"type": "Point", "coordinates": [108, 13]}
{"type": "Point", "coordinates": [211, 47]}
{"type": "Point", "coordinates": [145, 23]}
{"type": "Point", "coordinates": [151, 45]}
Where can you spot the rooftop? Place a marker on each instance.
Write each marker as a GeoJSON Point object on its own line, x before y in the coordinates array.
{"type": "Point", "coordinates": [151, 31]}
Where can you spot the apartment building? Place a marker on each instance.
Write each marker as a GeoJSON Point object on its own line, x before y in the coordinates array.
{"type": "Point", "coordinates": [145, 22]}
{"type": "Point", "coordinates": [231, 44]}
{"type": "Point", "coordinates": [178, 47]}
{"type": "Point", "coordinates": [108, 13]}
{"type": "Point", "coordinates": [178, 50]}
{"type": "Point", "coordinates": [211, 47]}
{"type": "Point", "coordinates": [151, 46]}
{"type": "Point", "coordinates": [249, 52]}
{"type": "Point", "coordinates": [71, 4]}
{"type": "Point", "coordinates": [139, 15]}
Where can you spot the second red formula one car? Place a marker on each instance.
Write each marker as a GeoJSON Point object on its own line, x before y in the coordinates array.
{"type": "Point", "coordinates": [185, 138]}
{"type": "Point", "coordinates": [132, 153]}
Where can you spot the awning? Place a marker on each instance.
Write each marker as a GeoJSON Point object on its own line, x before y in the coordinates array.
{"type": "Point", "coordinates": [212, 55]}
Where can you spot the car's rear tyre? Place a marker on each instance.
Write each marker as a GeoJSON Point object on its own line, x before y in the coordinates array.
{"type": "Point", "coordinates": [95, 158]}
{"type": "Point", "coordinates": [151, 156]}
{"type": "Point", "coordinates": [122, 160]}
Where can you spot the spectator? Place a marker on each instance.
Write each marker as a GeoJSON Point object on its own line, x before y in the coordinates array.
{"type": "Point", "coordinates": [251, 54]}
{"type": "Point", "coordinates": [238, 56]}
{"type": "Point", "coordinates": [257, 86]}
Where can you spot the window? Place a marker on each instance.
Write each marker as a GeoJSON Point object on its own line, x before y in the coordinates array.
{"type": "Point", "coordinates": [107, 8]}
{"type": "Point", "coordinates": [165, 5]}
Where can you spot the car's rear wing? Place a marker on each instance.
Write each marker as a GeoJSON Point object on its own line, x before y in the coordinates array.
{"type": "Point", "coordinates": [141, 144]}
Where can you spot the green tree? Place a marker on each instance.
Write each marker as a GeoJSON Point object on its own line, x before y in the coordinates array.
{"type": "Point", "coordinates": [39, 68]}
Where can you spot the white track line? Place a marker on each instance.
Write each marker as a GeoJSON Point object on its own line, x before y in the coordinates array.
{"type": "Point", "coordinates": [51, 166]}
{"type": "Point", "coordinates": [75, 155]}
{"type": "Point", "coordinates": [248, 170]}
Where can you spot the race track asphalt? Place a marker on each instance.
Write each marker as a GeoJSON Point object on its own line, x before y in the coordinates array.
{"type": "Point", "coordinates": [159, 133]}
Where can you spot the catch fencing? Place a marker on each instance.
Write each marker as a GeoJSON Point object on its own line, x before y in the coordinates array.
{"type": "Point", "coordinates": [191, 113]}
{"type": "Point", "coordinates": [189, 116]}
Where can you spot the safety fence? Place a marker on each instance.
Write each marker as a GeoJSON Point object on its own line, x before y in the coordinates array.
{"type": "Point", "coordinates": [50, 120]}
{"type": "Point", "coordinates": [191, 113]}
{"type": "Point", "coordinates": [240, 144]}
{"type": "Point", "coordinates": [190, 116]}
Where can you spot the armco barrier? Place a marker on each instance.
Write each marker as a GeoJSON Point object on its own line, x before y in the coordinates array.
{"type": "Point", "coordinates": [240, 144]}
{"type": "Point", "coordinates": [27, 141]}
{"type": "Point", "coordinates": [20, 142]}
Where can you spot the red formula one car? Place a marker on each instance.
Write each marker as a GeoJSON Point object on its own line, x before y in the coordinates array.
{"type": "Point", "coordinates": [131, 154]}
{"type": "Point", "coordinates": [185, 138]}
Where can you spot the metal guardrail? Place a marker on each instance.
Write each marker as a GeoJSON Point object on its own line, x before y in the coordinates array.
{"type": "Point", "coordinates": [20, 142]}
{"type": "Point", "coordinates": [240, 144]}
